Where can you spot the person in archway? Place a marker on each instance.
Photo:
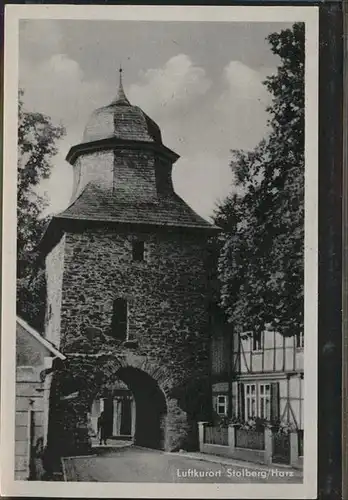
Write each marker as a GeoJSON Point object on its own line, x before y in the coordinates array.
{"type": "Point", "coordinates": [102, 428]}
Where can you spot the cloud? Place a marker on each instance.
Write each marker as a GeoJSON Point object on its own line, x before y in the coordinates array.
{"type": "Point", "coordinates": [232, 115]}
{"type": "Point", "coordinates": [245, 80]}
{"type": "Point", "coordinates": [202, 180]}
{"type": "Point", "coordinates": [170, 87]}
{"type": "Point", "coordinates": [242, 105]}
{"type": "Point", "coordinates": [58, 187]}
{"type": "Point", "coordinates": [201, 117]}
{"type": "Point", "coordinates": [58, 87]}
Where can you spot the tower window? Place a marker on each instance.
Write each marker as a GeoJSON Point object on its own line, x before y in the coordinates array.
{"type": "Point", "coordinates": [119, 324]}
{"type": "Point", "coordinates": [138, 250]}
{"type": "Point", "coordinates": [257, 341]}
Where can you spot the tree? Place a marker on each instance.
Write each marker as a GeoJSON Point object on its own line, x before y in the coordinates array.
{"type": "Point", "coordinates": [261, 263]}
{"type": "Point", "coordinates": [37, 138]}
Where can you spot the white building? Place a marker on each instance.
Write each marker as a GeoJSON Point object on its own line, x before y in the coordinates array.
{"type": "Point", "coordinates": [34, 355]}
{"type": "Point", "coordinates": [260, 378]}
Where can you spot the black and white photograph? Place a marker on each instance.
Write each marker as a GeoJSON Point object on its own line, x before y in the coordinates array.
{"type": "Point", "coordinates": [160, 212]}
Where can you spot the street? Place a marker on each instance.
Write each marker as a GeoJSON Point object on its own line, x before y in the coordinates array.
{"type": "Point", "coordinates": [133, 464]}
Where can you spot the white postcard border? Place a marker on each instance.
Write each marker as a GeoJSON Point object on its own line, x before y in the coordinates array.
{"type": "Point", "coordinates": [10, 487]}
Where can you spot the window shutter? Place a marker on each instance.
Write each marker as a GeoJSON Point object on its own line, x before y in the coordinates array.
{"type": "Point", "coordinates": [275, 401]}
{"type": "Point", "coordinates": [241, 401]}
{"type": "Point", "coordinates": [227, 353]}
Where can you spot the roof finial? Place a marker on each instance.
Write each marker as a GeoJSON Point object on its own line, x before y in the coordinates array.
{"type": "Point", "coordinates": [121, 96]}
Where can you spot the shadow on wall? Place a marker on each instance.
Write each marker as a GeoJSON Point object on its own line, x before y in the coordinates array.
{"type": "Point", "coordinates": [194, 398]}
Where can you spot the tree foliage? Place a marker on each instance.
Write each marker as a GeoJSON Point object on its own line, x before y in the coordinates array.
{"type": "Point", "coordinates": [37, 138]}
{"type": "Point", "coordinates": [261, 264]}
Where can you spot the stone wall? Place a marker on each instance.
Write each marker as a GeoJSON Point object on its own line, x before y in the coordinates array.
{"type": "Point", "coordinates": [54, 277]}
{"type": "Point", "coordinates": [167, 295]}
{"type": "Point", "coordinates": [166, 292]}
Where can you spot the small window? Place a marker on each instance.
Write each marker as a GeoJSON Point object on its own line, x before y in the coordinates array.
{"type": "Point", "coordinates": [265, 401]}
{"type": "Point", "coordinates": [119, 324]}
{"type": "Point", "coordinates": [250, 401]}
{"type": "Point", "coordinates": [138, 250]}
{"type": "Point", "coordinates": [49, 312]}
{"type": "Point", "coordinates": [299, 340]}
{"type": "Point", "coordinates": [221, 405]}
{"type": "Point", "coordinates": [257, 344]}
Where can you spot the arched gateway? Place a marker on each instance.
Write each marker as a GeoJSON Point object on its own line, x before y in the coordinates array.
{"type": "Point", "coordinates": [138, 411]}
{"type": "Point", "coordinates": [127, 287]}
{"type": "Point", "coordinates": [150, 408]}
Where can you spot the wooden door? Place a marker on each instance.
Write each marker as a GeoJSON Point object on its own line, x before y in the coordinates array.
{"type": "Point", "coordinates": [109, 415]}
{"type": "Point", "coordinates": [126, 417]}
{"type": "Point", "coordinates": [281, 448]}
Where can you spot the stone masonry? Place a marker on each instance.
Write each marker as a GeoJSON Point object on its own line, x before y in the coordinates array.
{"type": "Point", "coordinates": [166, 294]}
{"type": "Point", "coordinates": [123, 193]}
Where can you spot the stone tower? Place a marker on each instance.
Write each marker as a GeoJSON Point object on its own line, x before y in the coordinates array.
{"type": "Point", "coordinates": [127, 283]}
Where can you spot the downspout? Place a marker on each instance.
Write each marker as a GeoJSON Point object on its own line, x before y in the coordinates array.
{"type": "Point", "coordinates": [288, 398]}
{"type": "Point", "coordinates": [230, 345]}
{"type": "Point", "coordinates": [46, 377]}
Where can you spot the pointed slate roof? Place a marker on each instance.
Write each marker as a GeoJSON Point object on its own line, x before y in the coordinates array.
{"type": "Point", "coordinates": [121, 98]}
{"type": "Point", "coordinates": [95, 204]}
{"type": "Point", "coordinates": [113, 127]}
{"type": "Point", "coordinates": [121, 120]}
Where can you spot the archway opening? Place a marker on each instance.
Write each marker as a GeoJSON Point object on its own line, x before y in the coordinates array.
{"type": "Point", "coordinates": [150, 407]}
{"type": "Point", "coordinates": [134, 407]}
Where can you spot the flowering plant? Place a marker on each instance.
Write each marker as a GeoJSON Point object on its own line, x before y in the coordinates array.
{"type": "Point", "coordinates": [220, 420]}
{"type": "Point", "coordinates": [284, 427]}
{"type": "Point", "coordinates": [255, 423]}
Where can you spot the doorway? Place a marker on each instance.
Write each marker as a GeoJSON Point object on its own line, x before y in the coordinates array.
{"type": "Point", "coordinates": [109, 416]}
{"type": "Point", "coordinates": [119, 411]}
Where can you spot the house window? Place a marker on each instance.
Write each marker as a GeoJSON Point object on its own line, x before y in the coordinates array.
{"type": "Point", "coordinates": [250, 401]}
{"type": "Point", "coordinates": [299, 340]}
{"type": "Point", "coordinates": [261, 400]}
{"type": "Point", "coordinates": [119, 324]}
{"type": "Point", "coordinates": [300, 442]}
{"type": "Point", "coordinates": [138, 250]}
{"type": "Point", "coordinates": [257, 341]}
{"type": "Point", "coordinates": [264, 401]}
{"type": "Point", "coordinates": [221, 405]}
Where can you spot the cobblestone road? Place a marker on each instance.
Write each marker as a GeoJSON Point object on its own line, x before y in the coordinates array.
{"type": "Point", "coordinates": [134, 464]}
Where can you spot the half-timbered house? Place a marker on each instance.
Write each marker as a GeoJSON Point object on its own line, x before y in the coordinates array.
{"type": "Point", "coordinates": [259, 378]}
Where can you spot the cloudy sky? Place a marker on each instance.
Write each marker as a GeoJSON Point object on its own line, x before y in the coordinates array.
{"type": "Point", "coordinates": [200, 81]}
